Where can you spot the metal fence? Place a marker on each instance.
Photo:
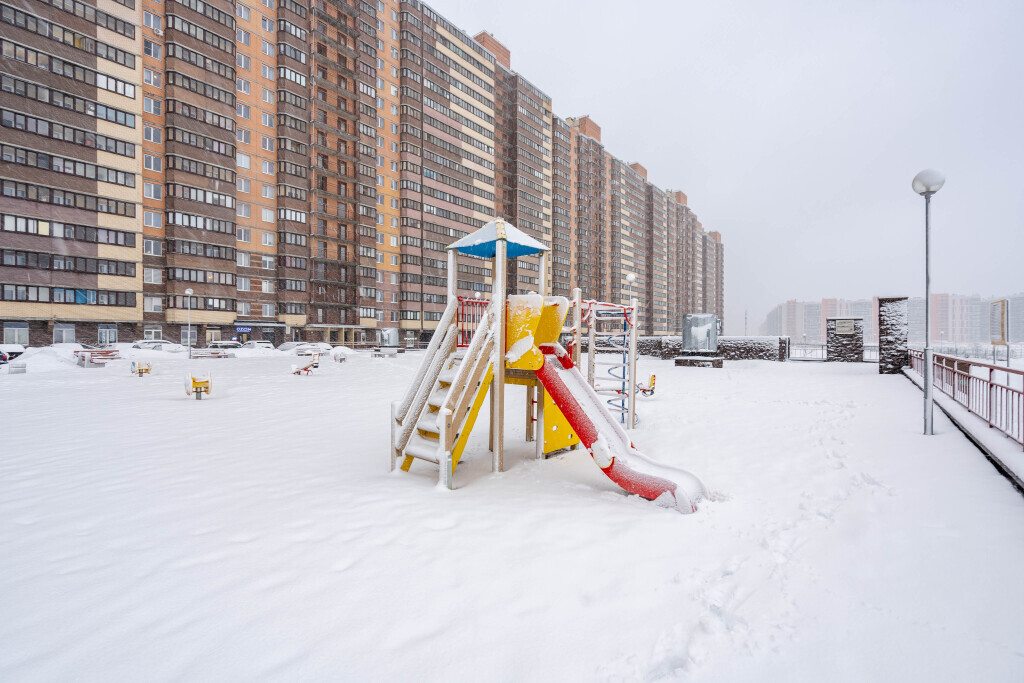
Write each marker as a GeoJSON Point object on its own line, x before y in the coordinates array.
{"type": "Point", "coordinates": [819, 352]}
{"type": "Point", "coordinates": [468, 318]}
{"type": "Point", "coordinates": [993, 393]}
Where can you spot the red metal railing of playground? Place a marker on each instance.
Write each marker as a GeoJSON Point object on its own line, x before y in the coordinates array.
{"type": "Point", "coordinates": [468, 318]}
{"type": "Point", "coordinates": [974, 386]}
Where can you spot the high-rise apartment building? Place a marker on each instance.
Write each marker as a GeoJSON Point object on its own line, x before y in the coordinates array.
{"type": "Point", "coordinates": [71, 170]}
{"type": "Point", "coordinates": [276, 170]}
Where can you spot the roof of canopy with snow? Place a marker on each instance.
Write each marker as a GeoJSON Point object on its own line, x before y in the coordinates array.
{"type": "Point", "coordinates": [484, 241]}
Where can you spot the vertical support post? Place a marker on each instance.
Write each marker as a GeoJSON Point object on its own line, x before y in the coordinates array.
{"type": "Point", "coordinates": [446, 475]}
{"type": "Point", "coordinates": [542, 286]}
{"type": "Point", "coordinates": [632, 368]}
{"type": "Point", "coordinates": [498, 381]}
{"type": "Point", "coordinates": [591, 346]}
{"type": "Point", "coordinates": [539, 433]}
{"type": "Point", "coordinates": [577, 325]}
{"type": "Point", "coordinates": [531, 391]}
{"type": "Point", "coordinates": [928, 369]}
{"type": "Point", "coordinates": [394, 455]}
{"type": "Point", "coordinates": [490, 420]}
{"type": "Point", "coordinates": [453, 276]}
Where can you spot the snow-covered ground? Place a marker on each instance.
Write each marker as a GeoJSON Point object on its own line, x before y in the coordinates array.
{"type": "Point", "coordinates": [257, 535]}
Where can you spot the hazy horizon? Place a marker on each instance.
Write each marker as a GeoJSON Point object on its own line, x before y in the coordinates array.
{"type": "Point", "coordinates": [795, 130]}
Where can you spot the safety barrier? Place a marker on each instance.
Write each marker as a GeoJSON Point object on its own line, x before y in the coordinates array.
{"type": "Point", "coordinates": [975, 386]}
{"type": "Point", "coordinates": [468, 317]}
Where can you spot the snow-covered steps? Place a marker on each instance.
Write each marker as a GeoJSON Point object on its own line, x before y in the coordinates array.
{"type": "Point", "coordinates": [422, 449]}
{"type": "Point", "coordinates": [427, 426]}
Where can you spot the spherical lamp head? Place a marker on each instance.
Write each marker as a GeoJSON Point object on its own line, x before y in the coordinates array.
{"type": "Point", "coordinates": [631, 278]}
{"type": "Point", "coordinates": [188, 292]}
{"type": "Point", "coordinates": [928, 181]}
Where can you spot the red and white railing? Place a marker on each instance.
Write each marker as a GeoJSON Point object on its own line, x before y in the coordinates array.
{"type": "Point", "coordinates": [993, 393]}
{"type": "Point", "coordinates": [468, 316]}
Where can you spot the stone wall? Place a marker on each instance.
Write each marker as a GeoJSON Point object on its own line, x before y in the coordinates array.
{"type": "Point", "coordinates": [844, 348]}
{"type": "Point", "coordinates": [754, 348]}
{"type": "Point", "coordinates": [892, 335]}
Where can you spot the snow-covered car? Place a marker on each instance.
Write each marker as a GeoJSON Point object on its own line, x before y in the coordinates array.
{"type": "Point", "coordinates": [226, 344]}
{"type": "Point", "coordinates": [310, 348]}
{"type": "Point", "coordinates": [9, 352]}
{"type": "Point", "coordinates": [257, 344]}
{"type": "Point", "coordinates": [157, 345]}
{"type": "Point", "coordinates": [290, 346]}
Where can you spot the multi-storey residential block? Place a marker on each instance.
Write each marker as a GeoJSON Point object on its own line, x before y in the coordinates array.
{"type": "Point", "coordinates": [71, 171]}
{"type": "Point", "coordinates": [300, 169]}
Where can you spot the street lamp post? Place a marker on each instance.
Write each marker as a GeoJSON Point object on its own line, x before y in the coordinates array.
{"type": "Point", "coordinates": [188, 304]}
{"type": "Point", "coordinates": [926, 183]}
{"type": "Point", "coordinates": [631, 278]}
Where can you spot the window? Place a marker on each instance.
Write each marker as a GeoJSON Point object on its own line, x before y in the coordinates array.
{"type": "Point", "coordinates": [243, 135]}
{"type": "Point", "coordinates": [268, 49]}
{"type": "Point", "coordinates": [152, 21]}
{"type": "Point", "coordinates": [243, 284]}
{"type": "Point", "coordinates": [243, 185]}
{"type": "Point", "coordinates": [152, 247]}
{"type": "Point", "coordinates": [242, 85]}
{"type": "Point", "coordinates": [268, 239]}
{"type": "Point", "coordinates": [154, 78]}
{"type": "Point", "coordinates": [63, 333]}
{"type": "Point", "coordinates": [242, 259]}
{"type": "Point", "coordinates": [268, 216]}
{"type": "Point", "coordinates": [267, 72]}
{"type": "Point", "coordinates": [268, 310]}
{"type": "Point", "coordinates": [242, 11]}
{"type": "Point", "coordinates": [16, 333]}
{"type": "Point", "coordinates": [268, 167]}
{"type": "Point", "coordinates": [268, 120]}
{"type": "Point", "coordinates": [242, 61]}
{"type": "Point", "coordinates": [152, 219]}
{"type": "Point", "coordinates": [244, 308]}
{"type": "Point", "coordinates": [244, 210]}
{"type": "Point", "coordinates": [267, 143]}
{"type": "Point", "coordinates": [153, 276]}
{"type": "Point", "coordinates": [242, 37]}
{"type": "Point", "coordinates": [151, 49]}
{"type": "Point", "coordinates": [152, 332]}
{"type": "Point", "coordinates": [268, 96]}
{"type": "Point", "coordinates": [394, 259]}
{"type": "Point", "coordinates": [242, 235]}
{"type": "Point", "coordinates": [267, 24]}
{"type": "Point", "coordinates": [189, 333]}
{"type": "Point", "coordinates": [267, 286]}
{"type": "Point", "coordinates": [151, 106]}
{"type": "Point", "coordinates": [152, 134]}
{"type": "Point", "coordinates": [153, 191]}
{"type": "Point", "coordinates": [268, 262]}
{"type": "Point", "coordinates": [243, 110]}
{"type": "Point", "coordinates": [153, 163]}
{"type": "Point", "coordinates": [243, 161]}
{"type": "Point", "coordinates": [268, 191]}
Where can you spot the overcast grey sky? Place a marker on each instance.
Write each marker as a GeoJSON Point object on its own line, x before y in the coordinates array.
{"type": "Point", "coordinates": [795, 129]}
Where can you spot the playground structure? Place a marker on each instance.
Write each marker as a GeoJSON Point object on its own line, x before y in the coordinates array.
{"type": "Point", "coordinates": [141, 369]}
{"type": "Point", "coordinates": [308, 368]}
{"type": "Point", "coordinates": [480, 346]}
{"type": "Point", "coordinates": [198, 385]}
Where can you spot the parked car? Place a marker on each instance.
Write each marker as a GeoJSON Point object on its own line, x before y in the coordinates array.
{"type": "Point", "coordinates": [290, 346]}
{"type": "Point", "coordinates": [257, 344]}
{"type": "Point", "coordinates": [9, 352]}
{"type": "Point", "coordinates": [310, 348]}
{"type": "Point", "coordinates": [157, 345]}
{"type": "Point", "coordinates": [226, 344]}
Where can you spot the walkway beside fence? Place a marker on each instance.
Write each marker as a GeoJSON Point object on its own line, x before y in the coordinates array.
{"type": "Point", "coordinates": [985, 402]}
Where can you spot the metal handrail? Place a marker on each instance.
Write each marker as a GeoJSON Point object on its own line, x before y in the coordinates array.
{"type": "Point", "coordinates": [1001, 405]}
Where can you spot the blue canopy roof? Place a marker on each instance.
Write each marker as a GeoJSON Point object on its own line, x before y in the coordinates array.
{"type": "Point", "coordinates": [482, 242]}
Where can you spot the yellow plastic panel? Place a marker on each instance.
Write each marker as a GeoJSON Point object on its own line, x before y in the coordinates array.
{"type": "Point", "coordinates": [524, 313]}
{"type": "Point", "coordinates": [557, 432]}
{"type": "Point", "coordinates": [552, 317]}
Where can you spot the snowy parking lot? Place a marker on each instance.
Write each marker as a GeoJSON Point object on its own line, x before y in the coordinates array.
{"type": "Point", "coordinates": [257, 534]}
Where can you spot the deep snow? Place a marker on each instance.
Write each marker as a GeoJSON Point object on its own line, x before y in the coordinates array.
{"type": "Point", "coordinates": [258, 535]}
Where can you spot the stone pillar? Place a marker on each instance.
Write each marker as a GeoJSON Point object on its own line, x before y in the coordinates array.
{"type": "Point", "coordinates": [892, 335]}
{"type": "Point", "coordinates": [845, 340]}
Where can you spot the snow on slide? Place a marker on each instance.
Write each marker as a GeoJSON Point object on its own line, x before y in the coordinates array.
{"type": "Point", "coordinates": [608, 442]}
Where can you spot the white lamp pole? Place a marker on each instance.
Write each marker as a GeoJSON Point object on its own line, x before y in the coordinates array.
{"type": "Point", "coordinates": [188, 304]}
{"type": "Point", "coordinates": [926, 183]}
